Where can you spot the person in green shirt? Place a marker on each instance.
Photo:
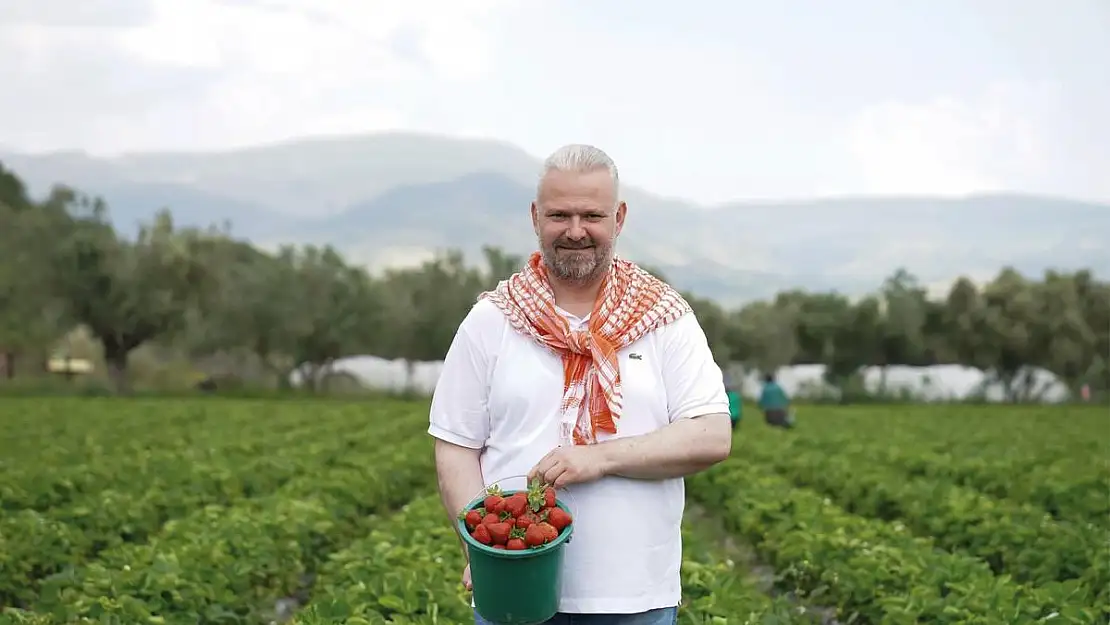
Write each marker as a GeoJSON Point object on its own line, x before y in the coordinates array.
{"type": "Point", "coordinates": [735, 402]}
{"type": "Point", "coordinates": [774, 403]}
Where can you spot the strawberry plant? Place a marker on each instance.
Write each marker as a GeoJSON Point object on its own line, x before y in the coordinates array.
{"type": "Point", "coordinates": [207, 511]}
{"type": "Point", "coordinates": [869, 570]}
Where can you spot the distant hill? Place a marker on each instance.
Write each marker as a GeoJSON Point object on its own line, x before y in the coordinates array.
{"type": "Point", "coordinates": [394, 198]}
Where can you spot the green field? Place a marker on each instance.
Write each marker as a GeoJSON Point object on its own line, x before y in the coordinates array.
{"type": "Point", "coordinates": [217, 511]}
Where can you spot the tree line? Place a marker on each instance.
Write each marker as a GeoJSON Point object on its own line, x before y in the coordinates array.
{"type": "Point", "coordinates": [204, 294]}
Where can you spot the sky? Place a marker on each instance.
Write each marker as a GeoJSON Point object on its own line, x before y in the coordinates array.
{"type": "Point", "coordinates": [701, 99]}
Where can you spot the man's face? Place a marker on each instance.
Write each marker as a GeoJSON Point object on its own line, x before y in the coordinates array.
{"type": "Point", "coordinates": [577, 220]}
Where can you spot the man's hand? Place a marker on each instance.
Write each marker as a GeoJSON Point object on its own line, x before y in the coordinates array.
{"type": "Point", "coordinates": [466, 579]}
{"type": "Point", "coordinates": [564, 466]}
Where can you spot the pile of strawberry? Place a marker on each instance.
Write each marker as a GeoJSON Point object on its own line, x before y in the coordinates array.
{"type": "Point", "coordinates": [527, 519]}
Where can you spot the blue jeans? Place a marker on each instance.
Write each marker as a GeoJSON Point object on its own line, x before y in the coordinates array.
{"type": "Point", "coordinates": [659, 616]}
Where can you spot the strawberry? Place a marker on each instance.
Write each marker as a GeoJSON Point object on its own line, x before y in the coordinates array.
{"type": "Point", "coordinates": [549, 531]}
{"type": "Point", "coordinates": [473, 519]}
{"type": "Point", "coordinates": [499, 532]}
{"type": "Point", "coordinates": [516, 540]}
{"type": "Point", "coordinates": [490, 519]}
{"type": "Point", "coordinates": [549, 497]}
{"type": "Point", "coordinates": [493, 499]}
{"type": "Point", "coordinates": [482, 535]}
{"type": "Point", "coordinates": [526, 519]}
{"type": "Point", "coordinates": [558, 518]}
{"type": "Point", "coordinates": [534, 536]}
{"type": "Point", "coordinates": [517, 504]}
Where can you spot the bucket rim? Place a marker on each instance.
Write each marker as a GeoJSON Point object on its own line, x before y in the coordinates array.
{"type": "Point", "coordinates": [531, 552]}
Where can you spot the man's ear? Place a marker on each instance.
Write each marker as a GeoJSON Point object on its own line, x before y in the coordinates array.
{"type": "Point", "coordinates": [535, 219]}
{"type": "Point", "coordinates": [622, 209]}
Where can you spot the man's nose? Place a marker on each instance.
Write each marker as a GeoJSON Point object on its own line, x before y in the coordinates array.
{"type": "Point", "coordinates": [576, 231]}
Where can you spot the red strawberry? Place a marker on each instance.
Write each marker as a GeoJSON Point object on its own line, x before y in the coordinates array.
{"type": "Point", "coordinates": [516, 540]}
{"type": "Point", "coordinates": [482, 535]}
{"type": "Point", "coordinates": [549, 531]}
{"type": "Point", "coordinates": [534, 536]}
{"type": "Point", "coordinates": [493, 498]}
{"type": "Point", "coordinates": [549, 497]}
{"type": "Point", "coordinates": [473, 519]}
{"type": "Point", "coordinates": [490, 519]}
{"type": "Point", "coordinates": [558, 518]}
{"type": "Point", "coordinates": [499, 532]}
{"type": "Point", "coordinates": [526, 519]}
{"type": "Point", "coordinates": [517, 504]}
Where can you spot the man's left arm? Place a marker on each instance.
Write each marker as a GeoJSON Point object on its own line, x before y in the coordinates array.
{"type": "Point", "coordinates": [700, 431]}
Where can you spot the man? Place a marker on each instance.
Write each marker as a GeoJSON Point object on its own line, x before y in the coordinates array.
{"type": "Point", "coordinates": [589, 372]}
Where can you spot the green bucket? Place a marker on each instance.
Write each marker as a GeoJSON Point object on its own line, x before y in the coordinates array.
{"type": "Point", "coordinates": [516, 587]}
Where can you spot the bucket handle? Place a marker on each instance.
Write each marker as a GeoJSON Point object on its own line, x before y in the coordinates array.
{"type": "Point", "coordinates": [569, 499]}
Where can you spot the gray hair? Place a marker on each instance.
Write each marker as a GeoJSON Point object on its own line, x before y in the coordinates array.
{"type": "Point", "coordinates": [579, 157]}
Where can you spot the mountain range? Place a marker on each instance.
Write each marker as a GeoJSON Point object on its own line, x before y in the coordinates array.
{"type": "Point", "coordinates": [394, 198]}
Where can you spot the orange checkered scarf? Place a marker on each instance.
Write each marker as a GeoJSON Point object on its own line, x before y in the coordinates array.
{"type": "Point", "coordinates": [631, 304]}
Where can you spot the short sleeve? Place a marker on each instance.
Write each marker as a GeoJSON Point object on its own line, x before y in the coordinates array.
{"type": "Point", "coordinates": [694, 383]}
{"type": "Point", "coordinates": [459, 412]}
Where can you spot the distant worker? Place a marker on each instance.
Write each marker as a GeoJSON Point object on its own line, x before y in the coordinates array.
{"type": "Point", "coordinates": [735, 402]}
{"type": "Point", "coordinates": [774, 403]}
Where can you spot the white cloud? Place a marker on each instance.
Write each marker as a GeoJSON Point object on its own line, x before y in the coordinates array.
{"type": "Point", "coordinates": [262, 69]}
{"type": "Point", "coordinates": [951, 146]}
{"type": "Point", "coordinates": [706, 104]}
{"type": "Point", "coordinates": [87, 13]}
{"type": "Point", "coordinates": [335, 40]}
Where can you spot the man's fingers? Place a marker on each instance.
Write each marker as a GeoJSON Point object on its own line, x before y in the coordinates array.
{"type": "Point", "coordinates": [537, 471]}
{"type": "Point", "coordinates": [555, 473]}
{"type": "Point", "coordinates": [544, 465]}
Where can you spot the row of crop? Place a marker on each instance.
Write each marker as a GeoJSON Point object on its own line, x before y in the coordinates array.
{"type": "Point", "coordinates": [1042, 432]}
{"type": "Point", "coordinates": [88, 465]}
{"type": "Point", "coordinates": [407, 570]}
{"type": "Point", "coordinates": [1016, 539]}
{"type": "Point", "coordinates": [1071, 484]}
{"type": "Point", "coordinates": [229, 564]}
{"type": "Point", "coordinates": [45, 421]}
{"type": "Point", "coordinates": [1072, 490]}
{"type": "Point", "coordinates": [56, 431]}
{"type": "Point", "coordinates": [1022, 438]}
{"type": "Point", "coordinates": [68, 489]}
{"type": "Point", "coordinates": [870, 570]}
{"type": "Point", "coordinates": [407, 567]}
{"type": "Point", "coordinates": [1060, 489]}
{"type": "Point", "coordinates": [35, 545]}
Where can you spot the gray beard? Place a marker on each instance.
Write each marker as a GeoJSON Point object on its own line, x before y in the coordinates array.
{"type": "Point", "coordinates": [575, 271]}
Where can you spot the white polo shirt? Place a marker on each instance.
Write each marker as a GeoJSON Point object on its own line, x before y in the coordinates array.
{"type": "Point", "coordinates": [500, 391]}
